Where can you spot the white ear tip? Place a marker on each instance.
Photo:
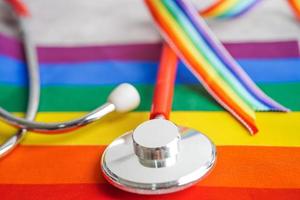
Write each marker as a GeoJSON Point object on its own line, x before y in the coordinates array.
{"type": "Point", "coordinates": [125, 97]}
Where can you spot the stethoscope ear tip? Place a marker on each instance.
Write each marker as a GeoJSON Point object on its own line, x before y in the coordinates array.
{"type": "Point", "coordinates": [125, 97]}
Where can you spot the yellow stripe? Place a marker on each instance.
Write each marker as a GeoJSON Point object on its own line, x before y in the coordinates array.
{"type": "Point", "coordinates": [223, 8]}
{"type": "Point", "coordinates": [213, 74]}
{"type": "Point", "coordinates": [276, 129]}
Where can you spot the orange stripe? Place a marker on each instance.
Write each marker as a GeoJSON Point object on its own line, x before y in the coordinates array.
{"type": "Point", "coordinates": [105, 191]}
{"type": "Point", "coordinates": [214, 87]}
{"type": "Point", "coordinates": [52, 165]}
{"type": "Point", "coordinates": [237, 166]}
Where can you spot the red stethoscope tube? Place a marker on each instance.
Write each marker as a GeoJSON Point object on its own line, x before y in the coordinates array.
{"type": "Point", "coordinates": [19, 8]}
{"type": "Point", "coordinates": [164, 88]}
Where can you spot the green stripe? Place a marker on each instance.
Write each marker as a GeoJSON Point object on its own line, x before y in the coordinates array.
{"type": "Point", "coordinates": [85, 98]}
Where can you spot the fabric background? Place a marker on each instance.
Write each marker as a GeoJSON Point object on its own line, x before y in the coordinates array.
{"type": "Point", "coordinates": [87, 47]}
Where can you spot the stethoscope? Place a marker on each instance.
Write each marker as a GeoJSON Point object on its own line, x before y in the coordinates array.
{"type": "Point", "coordinates": [122, 99]}
{"type": "Point", "coordinates": [157, 157]}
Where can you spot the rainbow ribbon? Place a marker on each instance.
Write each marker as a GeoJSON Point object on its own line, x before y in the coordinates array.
{"type": "Point", "coordinates": [295, 5]}
{"type": "Point", "coordinates": [228, 8]}
{"type": "Point", "coordinates": [189, 36]}
{"type": "Point", "coordinates": [234, 8]}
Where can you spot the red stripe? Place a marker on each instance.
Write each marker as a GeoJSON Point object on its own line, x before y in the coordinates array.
{"type": "Point", "coordinates": [105, 191]}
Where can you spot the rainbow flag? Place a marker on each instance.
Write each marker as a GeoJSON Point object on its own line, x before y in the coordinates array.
{"type": "Point", "coordinates": [77, 79]}
{"type": "Point", "coordinates": [74, 81]}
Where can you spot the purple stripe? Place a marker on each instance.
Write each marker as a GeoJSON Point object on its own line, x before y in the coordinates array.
{"type": "Point", "coordinates": [10, 47]}
{"type": "Point", "coordinates": [149, 52]}
{"type": "Point", "coordinates": [279, 49]}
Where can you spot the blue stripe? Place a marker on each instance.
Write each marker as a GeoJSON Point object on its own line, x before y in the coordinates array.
{"type": "Point", "coordinates": [113, 72]}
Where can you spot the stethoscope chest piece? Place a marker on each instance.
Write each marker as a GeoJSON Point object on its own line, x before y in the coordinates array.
{"type": "Point", "coordinates": [158, 157]}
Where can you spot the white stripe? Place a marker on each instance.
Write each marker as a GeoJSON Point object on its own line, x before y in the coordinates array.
{"type": "Point", "coordinates": [71, 22]}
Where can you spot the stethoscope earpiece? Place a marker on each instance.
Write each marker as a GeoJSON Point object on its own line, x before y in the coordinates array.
{"type": "Point", "coordinates": [124, 97]}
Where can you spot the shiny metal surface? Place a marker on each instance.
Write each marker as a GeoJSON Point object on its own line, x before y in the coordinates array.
{"type": "Point", "coordinates": [154, 152]}
{"type": "Point", "coordinates": [122, 168]}
{"type": "Point", "coordinates": [122, 99]}
{"type": "Point", "coordinates": [34, 88]}
{"type": "Point", "coordinates": [60, 126]}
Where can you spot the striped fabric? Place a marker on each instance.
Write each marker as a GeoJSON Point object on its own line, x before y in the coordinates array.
{"type": "Point", "coordinates": [75, 80]}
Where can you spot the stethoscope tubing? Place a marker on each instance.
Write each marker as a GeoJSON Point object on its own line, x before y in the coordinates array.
{"type": "Point", "coordinates": [34, 88]}
{"type": "Point", "coordinates": [58, 127]}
